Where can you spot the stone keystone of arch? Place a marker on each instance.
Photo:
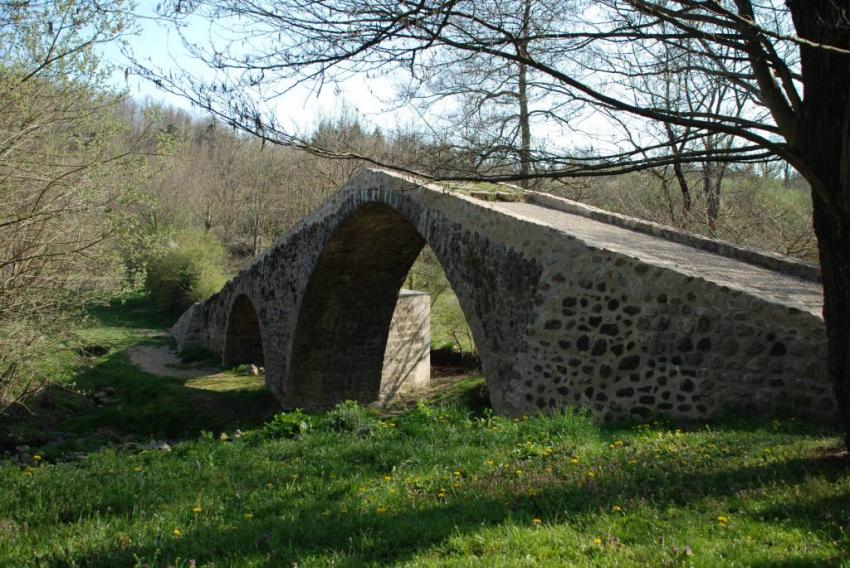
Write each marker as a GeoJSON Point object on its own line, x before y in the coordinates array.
{"type": "Point", "coordinates": [568, 305]}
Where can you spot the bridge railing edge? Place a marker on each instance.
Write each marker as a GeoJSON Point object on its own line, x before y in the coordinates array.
{"type": "Point", "coordinates": [764, 259]}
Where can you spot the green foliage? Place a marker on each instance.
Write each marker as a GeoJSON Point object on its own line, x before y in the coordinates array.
{"type": "Point", "coordinates": [351, 418]}
{"type": "Point", "coordinates": [449, 329]}
{"type": "Point", "coordinates": [287, 425]}
{"type": "Point", "coordinates": [187, 269]}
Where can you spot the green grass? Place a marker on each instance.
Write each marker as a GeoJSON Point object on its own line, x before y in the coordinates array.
{"type": "Point", "coordinates": [436, 485]}
{"type": "Point", "coordinates": [65, 417]}
{"type": "Point", "coordinates": [448, 325]}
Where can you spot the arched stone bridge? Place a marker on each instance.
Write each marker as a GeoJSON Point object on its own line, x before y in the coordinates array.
{"type": "Point", "coordinates": [568, 305]}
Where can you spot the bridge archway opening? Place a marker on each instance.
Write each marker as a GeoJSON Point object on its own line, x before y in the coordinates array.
{"type": "Point", "coordinates": [344, 319]}
{"type": "Point", "coordinates": [243, 341]}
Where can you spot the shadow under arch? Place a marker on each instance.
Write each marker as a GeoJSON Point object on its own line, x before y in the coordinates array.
{"type": "Point", "coordinates": [243, 341]}
{"type": "Point", "coordinates": [344, 319]}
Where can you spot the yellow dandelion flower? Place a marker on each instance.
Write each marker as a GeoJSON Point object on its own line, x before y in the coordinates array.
{"type": "Point", "coordinates": [574, 460]}
{"type": "Point", "coordinates": [388, 478]}
{"type": "Point", "coordinates": [196, 509]}
{"type": "Point", "coordinates": [457, 474]}
{"type": "Point", "coordinates": [381, 510]}
{"type": "Point", "coordinates": [248, 516]}
{"type": "Point", "coordinates": [632, 462]}
{"type": "Point", "coordinates": [722, 520]}
{"type": "Point", "coordinates": [518, 473]}
{"type": "Point", "coordinates": [36, 458]}
{"type": "Point", "coordinates": [611, 446]}
{"type": "Point", "coordinates": [617, 509]}
{"type": "Point", "coordinates": [597, 541]}
{"type": "Point", "coordinates": [591, 474]}
{"type": "Point", "coordinates": [536, 521]}
{"type": "Point", "coordinates": [488, 462]}
{"type": "Point", "coordinates": [137, 468]}
{"type": "Point", "coordinates": [177, 533]}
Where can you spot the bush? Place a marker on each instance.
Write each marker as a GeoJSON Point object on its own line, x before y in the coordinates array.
{"type": "Point", "coordinates": [416, 421]}
{"type": "Point", "coordinates": [287, 425]}
{"type": "Point", "coordinates": [351, 418]}
{"type": "Point", "coordinates": [188, 269]}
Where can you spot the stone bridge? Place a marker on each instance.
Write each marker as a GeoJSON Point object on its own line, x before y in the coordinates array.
{"type": "Point", "coordinates": [568, 305]}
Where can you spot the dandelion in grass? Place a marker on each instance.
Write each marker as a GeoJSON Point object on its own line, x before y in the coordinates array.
{"type": "Point", "coordinates": [617, 509]}
{"type": "Point", "coordinates": [36, 458]}
{"type": "Point", "coordinates": [519, 473]}
{"type": "Point", "coordinates": [597, 541]}
{"type": "Point", "coordinates": [488, 462]}
{"type": "Point", "coordinates": [457, 474]}
{"type": "Point", "coordinates": [536, 522]}
{"type": "Point", "coordinates": [248, 516]}
{"type": "Point", "coordinates": [388, 478]}
{"type": "Point", "coordinates": [381, 510]}
{"type": "Point", "coordinates": [196, 509]}
{"type": "Point", "coordinates": [177, 533]}
{"type": "Point", "coordinates": [574, 460]}
{"type": "Point", "coordinates": [591, 474]}
{"type": "Point", "coordinates": [723, 521]}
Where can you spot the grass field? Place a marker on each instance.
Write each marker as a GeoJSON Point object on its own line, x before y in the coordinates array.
{"type": "Point", "coordinates": [439, 484]}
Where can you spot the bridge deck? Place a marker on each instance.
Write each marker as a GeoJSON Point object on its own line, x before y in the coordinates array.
{"type": "Point", "coordinates": [768, 284]}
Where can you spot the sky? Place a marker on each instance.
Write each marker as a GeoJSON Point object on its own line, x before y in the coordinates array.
{"type": "Point", "coordinates": [158, 45]}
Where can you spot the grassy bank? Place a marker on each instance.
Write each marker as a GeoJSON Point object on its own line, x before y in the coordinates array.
{"type": "Point", "coordinates": [437, 485]}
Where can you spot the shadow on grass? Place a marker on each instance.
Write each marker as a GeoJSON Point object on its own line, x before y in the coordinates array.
{"type": "Point", "coordinates": [133, 311]}
{"type": "Point", "coordinates": [283, 532]}
{"type": "Point", "coordinates": [139, 406]}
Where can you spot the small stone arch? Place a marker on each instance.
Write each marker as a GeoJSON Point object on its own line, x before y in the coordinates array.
{"type": "Point", "coordinates": [243, 340]}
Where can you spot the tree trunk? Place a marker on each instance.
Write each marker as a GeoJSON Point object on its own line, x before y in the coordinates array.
{"type": "Point", "coordinates": [711, 183]}
{"type": "Point", "coordinates": [683, 187]}
{"type": "Point", "coordinates": [524, 125]}
{"type": "Point", "coordinates": [525, 129]}
{"type": "Point", "coordinates": [824, 148]}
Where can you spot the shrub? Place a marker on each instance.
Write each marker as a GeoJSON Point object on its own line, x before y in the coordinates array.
{"type": "Point", "coordinates": [416, 421]}
{"type": "Point", "coordinates": [287, 425]}
{"type": "Point", "coordinates": [351, 418]}
{"type": "Point", "coordinates": [188, 269]}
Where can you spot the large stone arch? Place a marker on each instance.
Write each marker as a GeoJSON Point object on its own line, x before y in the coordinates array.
{"type": "Point", "coordinates": [340, 335]}
{"type": "Point", "coordinates": [243, 341]}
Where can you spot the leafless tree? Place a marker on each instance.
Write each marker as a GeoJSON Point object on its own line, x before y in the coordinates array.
{"type": "Point", "coordinates": [57, 140]}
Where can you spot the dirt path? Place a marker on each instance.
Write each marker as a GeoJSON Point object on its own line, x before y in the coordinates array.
{"type": "Point", "coordinates": [160, 360]}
